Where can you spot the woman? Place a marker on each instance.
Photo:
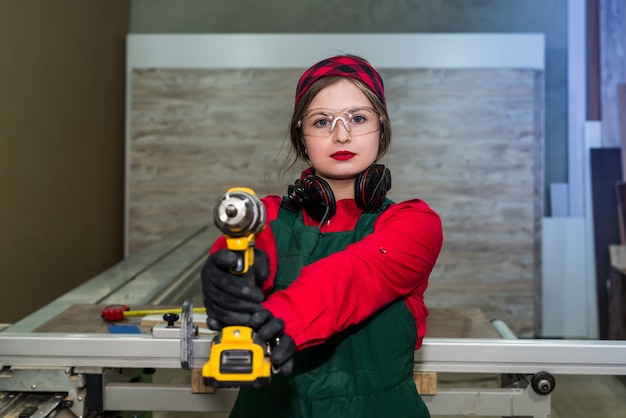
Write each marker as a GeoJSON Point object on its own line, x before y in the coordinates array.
{"type": "Point", "coordinates": [343, 270]}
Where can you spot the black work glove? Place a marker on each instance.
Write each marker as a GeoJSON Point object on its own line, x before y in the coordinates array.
{"type": "Point", "coordinates": [282, 346]}
{"type": "Point", "coordinates": [231, 299]}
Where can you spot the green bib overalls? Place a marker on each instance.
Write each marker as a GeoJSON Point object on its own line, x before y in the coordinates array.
{"type": "Point", "coordinates": [366, 371]}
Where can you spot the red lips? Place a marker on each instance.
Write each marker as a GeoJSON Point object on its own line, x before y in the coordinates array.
{"type": "Point", "coordinates": [342, 155]}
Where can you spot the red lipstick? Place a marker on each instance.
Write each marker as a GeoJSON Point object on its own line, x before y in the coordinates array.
{"type": "Point", "coordinates": [343, 155]}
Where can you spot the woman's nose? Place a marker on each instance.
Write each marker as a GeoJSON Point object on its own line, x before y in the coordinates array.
{"type": "Point", "coordinates": [341, 131]}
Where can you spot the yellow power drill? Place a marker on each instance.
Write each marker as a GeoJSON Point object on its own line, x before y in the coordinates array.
{"type": "Point", "coordinates": [238, 357]}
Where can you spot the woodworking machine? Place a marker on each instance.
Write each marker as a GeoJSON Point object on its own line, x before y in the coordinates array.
{"type": "Point", "coordinates": [87, 375]}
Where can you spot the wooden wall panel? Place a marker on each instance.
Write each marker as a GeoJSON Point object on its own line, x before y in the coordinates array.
{"type": "Point", "coordinates": [195, 133]}
{"type": "Point", "coordinates": [468, 141]}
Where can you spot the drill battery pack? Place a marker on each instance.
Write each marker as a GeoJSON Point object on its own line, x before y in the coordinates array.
{"type": "Point", "coordinates": [237, 359]}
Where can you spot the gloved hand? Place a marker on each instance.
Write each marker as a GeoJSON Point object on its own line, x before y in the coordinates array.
{"type": "Point", "coordinates": [282, 346]}
{"type": "Point", "coordinates": [231, 299]}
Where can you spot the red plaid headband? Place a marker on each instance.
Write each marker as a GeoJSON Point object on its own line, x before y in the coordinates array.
{"type": "Point", "coordinates": [345, 66]}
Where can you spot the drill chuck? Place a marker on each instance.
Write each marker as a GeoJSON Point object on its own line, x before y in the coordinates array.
{"type": "Point", "coordinates": [239, 213]}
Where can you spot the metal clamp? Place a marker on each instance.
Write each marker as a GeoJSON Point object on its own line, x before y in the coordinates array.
{"type": "Point", "coordinates": [187, 333]}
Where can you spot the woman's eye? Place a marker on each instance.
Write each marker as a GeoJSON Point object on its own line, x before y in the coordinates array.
{"type": "Point", "coordinates": [358, 119]}
{"type": "Point", "coordinates": [321, 123]}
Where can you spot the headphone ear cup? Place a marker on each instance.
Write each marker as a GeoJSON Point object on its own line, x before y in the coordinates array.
{"type": "Point", "coordinates": [371, 187]}
{"type": "Point", "coordinates": [313, 194]}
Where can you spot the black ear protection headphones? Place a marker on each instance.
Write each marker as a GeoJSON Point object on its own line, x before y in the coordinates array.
{"type": "Point", "coordinates": [313, 193]}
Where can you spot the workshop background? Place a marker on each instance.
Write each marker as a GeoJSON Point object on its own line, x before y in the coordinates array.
{"type": "Point", "coordinates": [62, 112]}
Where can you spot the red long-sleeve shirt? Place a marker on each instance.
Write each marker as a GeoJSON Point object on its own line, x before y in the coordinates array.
{"type": "Point", "coordinates": [345, 288]}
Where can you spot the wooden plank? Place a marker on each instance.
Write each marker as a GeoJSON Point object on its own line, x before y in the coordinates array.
{"type": "Point", "coordinates": [563, 292]}
{"type": "Point", "coordinates": [621, 208]}
{"type": "Point", "coordinates": [606, 171]}
{"type": "Point", "coordinates": [426, 383]}
{"type": "Point", "coordinates": [617, 293]}
{"type": "Point", "coordinates": [617, 305]}
{"type": "Point", "coordinates": [621, 107]}
{"type": "Point", "coordinates": [594, 93]}
{"type": "Point", "coordinates": [197, 383]}
{"type": "Point", "coordinates": [617, 256]}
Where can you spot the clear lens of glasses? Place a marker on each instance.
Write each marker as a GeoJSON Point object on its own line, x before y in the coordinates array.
{"type": "Point", "coordinates": [322, 122]}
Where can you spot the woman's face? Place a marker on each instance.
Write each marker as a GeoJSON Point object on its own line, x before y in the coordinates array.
{"type": "Point", "coordinates": [342, 155]}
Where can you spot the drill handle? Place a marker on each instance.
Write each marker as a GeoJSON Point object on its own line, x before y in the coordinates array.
{"type": "Point", "coordinates": [244, 248]}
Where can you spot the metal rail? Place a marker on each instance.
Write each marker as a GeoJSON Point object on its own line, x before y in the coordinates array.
{"type": "Point", "coordinates": [461, 355]}
{"type": "Point", "coordinates": [582, 357]}
{"type": "Point", "coordinates": [156, 274]}
{"type": "Point", "coordinates": [485, 402]}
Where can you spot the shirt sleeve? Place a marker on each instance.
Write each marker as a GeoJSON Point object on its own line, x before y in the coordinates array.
{"type": "Point", "coordinates": [345, 288]}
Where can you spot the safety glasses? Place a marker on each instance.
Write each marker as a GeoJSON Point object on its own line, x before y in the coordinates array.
{"type": "Point", "coordinates": [357, 120]}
